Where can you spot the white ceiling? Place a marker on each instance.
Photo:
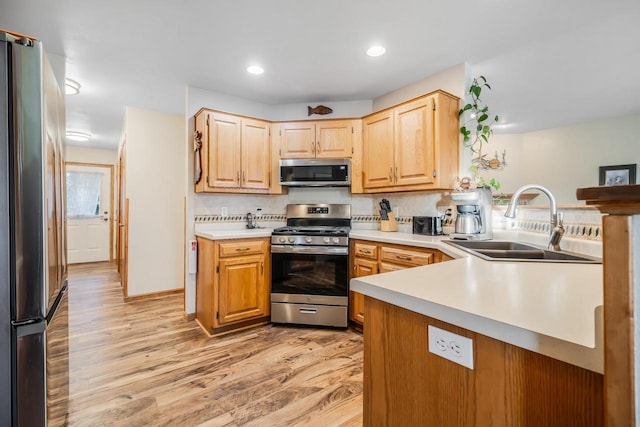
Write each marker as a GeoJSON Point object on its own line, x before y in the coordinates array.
{"type": "Point", "coordinates": [550, 62]}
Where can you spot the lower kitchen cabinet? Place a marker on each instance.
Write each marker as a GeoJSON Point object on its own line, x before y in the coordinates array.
{"type": "Point", "coordinates": [232, 284]}
{"type": "Point", "coordinates": [369, 258]}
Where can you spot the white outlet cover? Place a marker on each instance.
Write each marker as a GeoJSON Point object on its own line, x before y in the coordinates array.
{"type": "Point", "coordinates": [453, 347]}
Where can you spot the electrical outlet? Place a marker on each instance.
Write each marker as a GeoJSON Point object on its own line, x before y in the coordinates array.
{"type": "Point", "coordinates": [224, 211]}
{"type": "Point", "coordinates": [453, 347]}
{"type": "Point", "coordinates": [258, 212]}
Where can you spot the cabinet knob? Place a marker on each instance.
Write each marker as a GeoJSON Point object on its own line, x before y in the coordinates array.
{"type": "Point", "coordinates": [313, 147]}
{"type": "Point", "coordinates": [391, 174]}
{"type": "Point", "coordinates": [261, 268]}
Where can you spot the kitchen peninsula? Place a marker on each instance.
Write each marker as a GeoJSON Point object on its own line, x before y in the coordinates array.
{"type": "Point", "coordinates": [537, 341]}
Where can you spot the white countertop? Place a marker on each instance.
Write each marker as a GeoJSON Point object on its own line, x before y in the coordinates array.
{"type": "Point", "coordinates": [242, 233]}
{"type": "Point", "coordinates": [551, 308]}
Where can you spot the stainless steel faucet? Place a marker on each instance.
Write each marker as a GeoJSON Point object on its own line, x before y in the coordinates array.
{"type": "Point", "coordinates": [556, 230]}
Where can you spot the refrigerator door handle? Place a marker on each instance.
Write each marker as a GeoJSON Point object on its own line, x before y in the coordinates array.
{"type": "Point", "coordinates": [38, 326]}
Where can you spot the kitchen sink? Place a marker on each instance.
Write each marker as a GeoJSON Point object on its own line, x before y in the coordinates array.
{"type": "Point", "coordinates": [494, 250]}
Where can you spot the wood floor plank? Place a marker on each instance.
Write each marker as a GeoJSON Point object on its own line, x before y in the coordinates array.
{"type": "Point", "coordinates": [142, 364]}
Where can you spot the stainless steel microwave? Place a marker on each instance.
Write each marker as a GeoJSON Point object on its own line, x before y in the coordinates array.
{"type": "Point", "coordinates": [315, 172]}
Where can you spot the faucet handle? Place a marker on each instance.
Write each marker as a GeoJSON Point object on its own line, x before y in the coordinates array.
{"type": "Point", "coordinates": [559, 218]}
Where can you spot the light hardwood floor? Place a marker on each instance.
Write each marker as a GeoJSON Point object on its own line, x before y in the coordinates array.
{"type": "Point", "coordinates": [142, 364]}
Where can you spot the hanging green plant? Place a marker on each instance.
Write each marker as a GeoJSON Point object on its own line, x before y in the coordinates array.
{"type": "Point", "coordinates": [476, 129]}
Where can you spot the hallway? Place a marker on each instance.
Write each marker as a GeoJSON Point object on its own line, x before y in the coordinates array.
{"type": "Point", "coordinates": [142, 364]}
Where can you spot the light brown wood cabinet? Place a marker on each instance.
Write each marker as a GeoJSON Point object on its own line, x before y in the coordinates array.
{"type": "Point", "coordinates": [369, 258]}
{"type": "Point", "coordinates": [412, 146]}
{"type": "Point", "coordinates": [317, 139]}
{"type": "Point", "coordinates": [232, 284]}
{"type": "Point", "coordinates": [235, 155]}
{"type": "Point", "coordinates": [406, 385]}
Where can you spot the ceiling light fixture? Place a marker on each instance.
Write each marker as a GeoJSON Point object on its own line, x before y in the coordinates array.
{"type": "Point", "coordinates": [255, 69]}
{"type": "Point", "coordinates": [78, 136]}
{"type": "Point", "coordinates": [71, 87]}
{"type": "Point", "coordinates": [376, 51]}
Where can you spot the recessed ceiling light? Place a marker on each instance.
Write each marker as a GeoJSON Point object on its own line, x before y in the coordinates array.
{"type": "Point", "coordinates": [255, 69]}
{"type": "Point", "coordinates": [376, 51]}
{"type": "Point", "coordinates": [71, 87]}
{"type": "Point", "coordinates": [75, 135]}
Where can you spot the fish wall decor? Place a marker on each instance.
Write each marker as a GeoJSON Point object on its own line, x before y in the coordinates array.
{"type": "Point", "coordinates": [320, 109]}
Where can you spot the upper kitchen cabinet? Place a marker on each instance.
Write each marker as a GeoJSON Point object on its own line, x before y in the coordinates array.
{"type": "Point", "coordinates": [413, 146]}
{"type": "Point", "coordinates": [235, 156]}
{"type": "Point", "coordinates": [320, 139]}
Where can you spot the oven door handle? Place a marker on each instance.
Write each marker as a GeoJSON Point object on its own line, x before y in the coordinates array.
{"type": "Point", "coordinates": [311, 250]}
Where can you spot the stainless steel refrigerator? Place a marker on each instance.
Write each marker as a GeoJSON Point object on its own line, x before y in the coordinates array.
{"type": "Point", "coordinates": [33, 276]}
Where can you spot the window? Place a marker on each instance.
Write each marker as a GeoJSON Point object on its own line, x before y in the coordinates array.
{"type": "Point", "coordinates": [83, 194]}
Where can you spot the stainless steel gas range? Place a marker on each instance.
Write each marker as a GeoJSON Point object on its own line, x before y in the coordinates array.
{"type": "Point", "coordinates": [310, 266]}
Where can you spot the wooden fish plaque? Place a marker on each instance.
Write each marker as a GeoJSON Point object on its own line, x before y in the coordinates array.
{"type": "Point", "coordinates": [320, 109]}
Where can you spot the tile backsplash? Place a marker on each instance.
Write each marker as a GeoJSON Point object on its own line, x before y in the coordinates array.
{"type": "Point", "coordinates": [580, 222]}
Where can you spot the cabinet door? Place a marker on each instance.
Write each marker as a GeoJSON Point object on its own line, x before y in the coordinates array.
{"type": "Point", "coordinates": [414, 143]}
{"type": "Point", "coordinates": [377, 150]}
{"type": "Point", "coordinates": [334, 139]}
{"type": "Point", "coordinates": [414, 139]}
{"type": "Point", "coordinates": [297, 140]}
{"type": "Point", "coordinates": [361, 267]}
{"type": "Point", "coordinates": [223, 170]}
{"type": "Point", "coordinates": [255, 154]}
{"type": "Point", "coordinates": [242, 293]}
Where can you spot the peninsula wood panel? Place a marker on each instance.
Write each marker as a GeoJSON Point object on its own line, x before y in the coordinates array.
{"type": "Point", "coordinates": [405, 385]}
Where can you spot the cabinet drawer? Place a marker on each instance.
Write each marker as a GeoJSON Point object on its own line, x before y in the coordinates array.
{"type": "Point", "coordinates": [366, 251]}
{"type": "Point", "coordinates": [405, 257]}
{"type": "Point", "coordinates": [236, 248]}
{"type": "Point", "coordinates": [385, 267]}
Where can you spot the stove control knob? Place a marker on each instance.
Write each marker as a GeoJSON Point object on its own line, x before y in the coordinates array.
{"type": "Point", "coordinates": [282, 240]}
{"type": "Point", "coordinates": [326, 240]}
{"type": "Point", "coordinates": [291, 239]}
{"type": "Point", "coordinates": [308, 239]}
{"type": "Point", "coordinates": [336, 240]}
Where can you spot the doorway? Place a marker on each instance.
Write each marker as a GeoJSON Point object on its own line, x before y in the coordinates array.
{"type": "Point", "coordinates": [89, 212]}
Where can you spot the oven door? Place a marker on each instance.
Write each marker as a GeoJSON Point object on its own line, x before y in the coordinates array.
{"type": "Point", "coordinates": [298, 272]}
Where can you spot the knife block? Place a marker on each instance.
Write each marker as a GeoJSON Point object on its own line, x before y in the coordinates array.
{"type": "Point", "coordinates": [389, 225]}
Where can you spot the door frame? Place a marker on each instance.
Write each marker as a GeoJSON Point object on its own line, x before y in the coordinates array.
{"type": "Point", "coordinates": [111, 197]}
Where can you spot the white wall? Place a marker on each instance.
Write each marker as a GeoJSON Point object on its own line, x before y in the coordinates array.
{"type": "Point", "coordinates": [198, 98]}
{"type": "Point", "coordinates": [91, 155]}
{"type": "Point", "coordinates": [342, 109]}
{"type": "Point", "coordinates": [452, 80]}
{"type": "Point", "coordinates": [155, 176]}
{"type": "Point", "coordinates": [564, 159]}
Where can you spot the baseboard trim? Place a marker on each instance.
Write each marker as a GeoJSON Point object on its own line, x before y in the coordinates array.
{"type": "Point", "coordinates": [154, 295]}
{"type": "Point", "coordinates": [189, 316]}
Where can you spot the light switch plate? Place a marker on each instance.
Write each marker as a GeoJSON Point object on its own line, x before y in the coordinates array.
{"type": "Point", "coordinates": [453, 347]}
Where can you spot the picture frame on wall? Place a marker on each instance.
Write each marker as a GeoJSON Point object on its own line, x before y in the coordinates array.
{"type": "Point", "coordinates": [618, 174]}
